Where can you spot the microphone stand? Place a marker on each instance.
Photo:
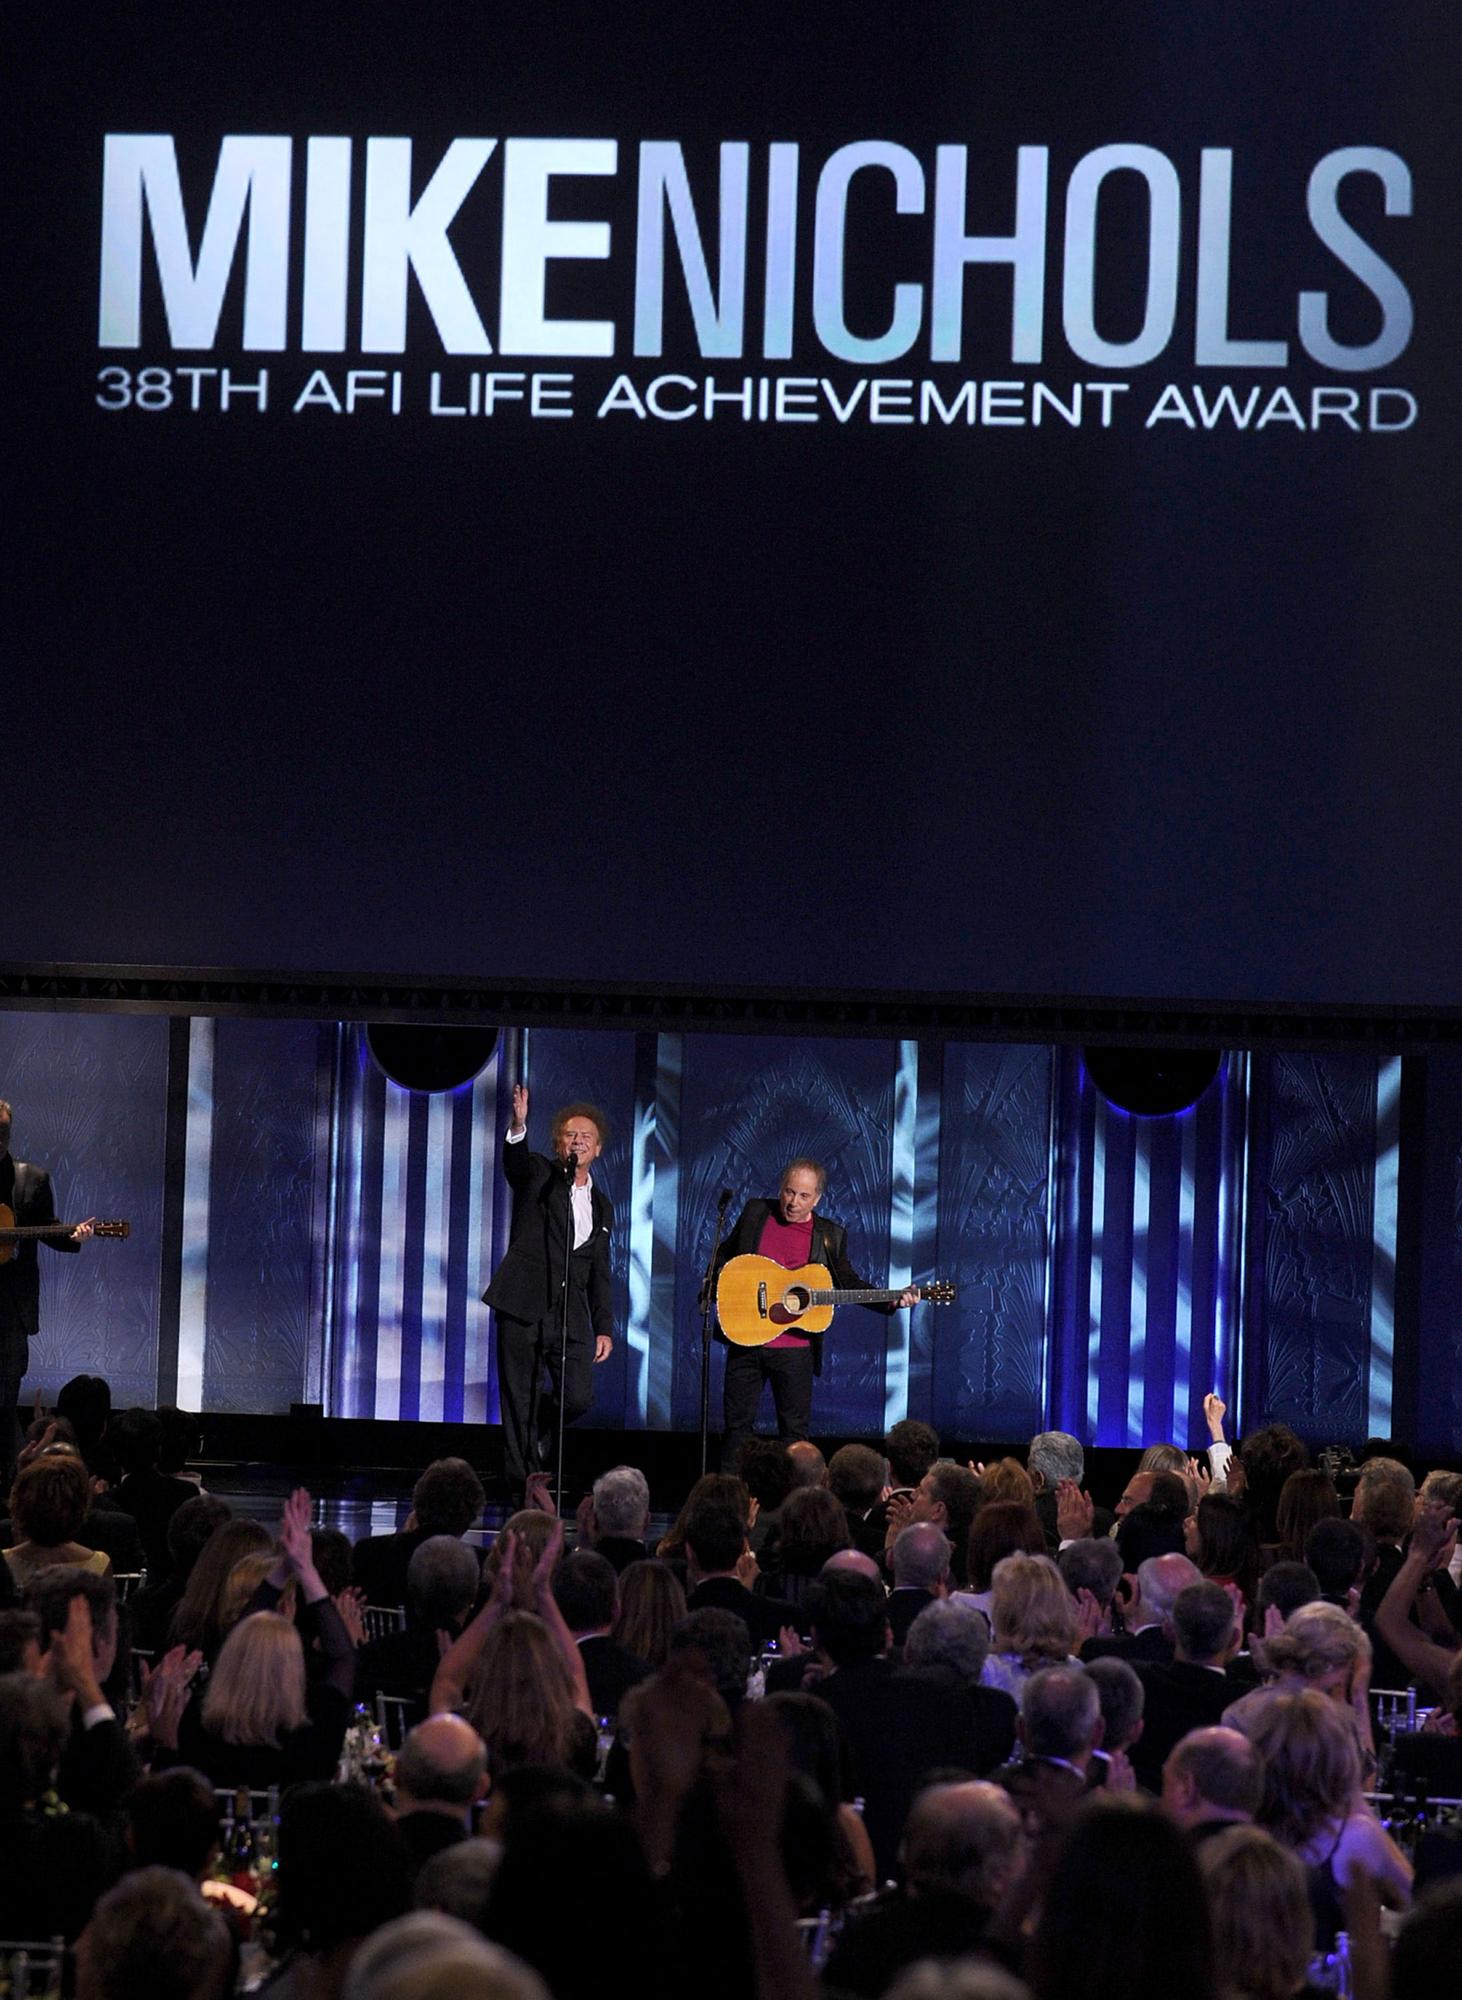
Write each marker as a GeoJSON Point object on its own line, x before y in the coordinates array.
{"type": "Point", "coordinates": [708, 1309]}
{"type": "Point", "coordinates": [570, 1170]}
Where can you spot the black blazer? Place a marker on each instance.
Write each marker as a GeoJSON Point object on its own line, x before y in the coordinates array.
{"type": "Point", "coordinates": [829, 1246]}
{"type": "Point", "coordinates": [27, 1191]}
{"type": "Point", "coordinates": [526, 1283]}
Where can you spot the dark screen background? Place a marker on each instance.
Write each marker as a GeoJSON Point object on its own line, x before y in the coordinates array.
{"type": "Point", "coordinates": [1024, 711]}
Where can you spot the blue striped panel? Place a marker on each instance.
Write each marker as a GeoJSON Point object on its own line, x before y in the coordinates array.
{"type": "Point", "coordinates": [1383, 1232]}
{"type": "Point", "coordinates": [197, 1187]}
{"type": "Point", "coordinates": [901, 1231]}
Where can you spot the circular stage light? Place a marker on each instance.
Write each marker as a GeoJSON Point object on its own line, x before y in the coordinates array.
{"type": "Point", "coordinates": [1152, 1083]}
{"type": "Point", "coordinates": [430, 1059]}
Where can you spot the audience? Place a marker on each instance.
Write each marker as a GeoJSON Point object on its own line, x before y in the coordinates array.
{"type": "Point", "coordinates": [675, 1845]}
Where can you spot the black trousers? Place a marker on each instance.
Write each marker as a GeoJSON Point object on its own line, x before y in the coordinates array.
{"type": "Point", "coordinates": [530, 1418]}
{"type": "Point", "coordinates": [748, 1370]}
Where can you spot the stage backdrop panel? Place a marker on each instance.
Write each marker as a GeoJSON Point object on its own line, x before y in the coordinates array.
{"type": "Point", "coordinates": [90, 1099]}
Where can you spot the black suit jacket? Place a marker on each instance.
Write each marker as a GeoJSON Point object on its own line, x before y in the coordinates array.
{"type": "Point", "coordinates": [1176, 1699]}
{"type": "Point", "coordinates": [526, 1284]}
{"type": "Point", "coordinates": [26, 1190]}
{"type": "Point", "coordinates": [611, 1671]}
{"type": "Point", "coordinates": [829, 1246]}
{"type": "Point", "coordinates": [763, 1617]}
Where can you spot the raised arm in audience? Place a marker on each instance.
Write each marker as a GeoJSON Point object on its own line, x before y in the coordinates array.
{"type": "Point", "coordinates": [1421, 1656]}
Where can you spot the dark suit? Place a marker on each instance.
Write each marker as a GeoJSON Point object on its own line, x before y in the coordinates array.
{"type": "Point", "coordinates": [904, 1607]}
{"type": "Point", "coordinates": [611, 1671]}
{"type": "Point", "coordinates": [763, 1617]}
{"type": "Point", "coordinates": [1148, 1648]}
{"type": "Point", "coordinates": [789, 1369]}
{"type": "Point", "coordinates": [26, 1191]}
{"type": "Point", "coordinates": [526, 1296]}
{"type": "Point", "coordinates": [620, 1551]}
{"type": "Point", "coordinates": [1176, 1699]}
{"type": "Point", "coordinates": [378, 1563]}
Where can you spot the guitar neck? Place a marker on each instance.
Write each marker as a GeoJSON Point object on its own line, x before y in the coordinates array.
{"type": "Point", "coordinates": [23, 1230]}
{"type": "Point", "coordinates": [867, 1296]}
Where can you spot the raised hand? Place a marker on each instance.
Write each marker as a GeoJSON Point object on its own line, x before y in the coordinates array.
{"type": "Point", "coordinates": [1091, 1619]}
{"type": "Point", "coordinates": [71, 1661]}
{"type": "Point", "coordinates": [165, 1692]}
{"type": "Point", "coordinates": [351, 1606]}
{"type": "Point", "coordinates": [520, 1106]}
{"type": "Point", "coordinates": [747, 1569]}
{"type": "Point", "coordinates": [502, 1583]}
{"type": "Point", "coordinates": [1431, 1531]}
{"type": "Point", "coordinates": [1215, 1409]}
{"type": "Point", "coordinates": [294, 1532]}
{"type": "Point", "coordinates": [547, 1563]}
{"type": "Point", "coordinates": [1075, 1511]}
{"type": "Point", "coordinates": [538, 1494]}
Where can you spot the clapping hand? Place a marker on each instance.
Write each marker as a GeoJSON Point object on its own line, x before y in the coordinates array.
{"type": "Point", "coordinates": [1091, 1618]}
{"type": "Point", "coordinates": [538, 1493]}
{"type": "Point", "coordinates": [351, 1606]}
{"type": "Point", "coordinates": [165, 1691]}
{"type": "Point", "coordinates": [547, 1563]}
{"type": "Point", "coordinates": [294, 1532]}
{"type": "Point", "coordinates": [1075, 1511]}
{"type": "Point", "coordinates": [71, 1660]}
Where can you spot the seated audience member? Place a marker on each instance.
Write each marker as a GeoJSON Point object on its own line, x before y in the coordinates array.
{"type": "Point", "coordinates": [1125, 1914]}
{"type": "Point", "coordinates": [1305, 1498]}
{"type": "Point", "coordinates": [1006, 1483]}
{"type": "Point", "coordinates": [1268, 1457]}
{"type": "Point", "coordinates": [651, 1604]}
{"type": "Point", "coordinates": [333, 1559]}
{"type": "Point", "coordinates": [446, 1500]}
{"type": "Point", "coordinates": [961, 1854]}
{"type": "Point", "coordinates": [442, 1582]}
{"type": "Point", "coordinates": [721, 1486]}
{"type": "Point", "coordinates": [1320, 1648]}
{"type": "Point", "coordinates": [188, 1530]}
{"type": "Point", "coordinates": [458, 1881]}
{"type": "Point", "coordinates": [1383, 1508]}
{"type": "Point", "coordinates": [769, 1476]}
{"type": "Point", "coordinates": [812, 1526]}
{"type": "Point", "coordinates": [148, 1494]}
{"type": "Point", "coordinates": [1313, 1805]}
{"type": "Point", "coordinates": [910, 1448]}
{"type": "Point", "coordinates": [1258, 1899]}
{"type": "Point", "coordinates": [1059, 1729]}
{"type": "Point", "coordinates": [715, 1545]}
{"type": "Point", "coordinates": [1222, 1544]}
{"type": "Point", "coordinates": [1338, 1554]}
{"type": "Point", "coordinates": [342, 1874]}
{"type": "Point", "coordinates": [1136, 1493]}
{"type": "Point", "coordinates": [809, 1467]}
{"type": "Point", "coordinates": [818, 1752]}
{"type": "Point", "coordinates": [48, 1504]}
{"type": "Point", "coordinates": [85, 1403]}
{"type": "Point", "coordinates": [262, 1721]}
{"type": "Point", "coordinates": [1033, 1621]}
{"type": "Point", "coordinates": [720, 1646]}
{"type": "Point", "coordinates": [1092, 1565]}
{"type": "Point", "coordinates": [1052, 1457]}
{"type": "Point", "coordinates": [430, 1955]}
{"type": "Point", "coordinates": [619, 1517]}
{"type": "Point", "coordinates": [856, 1478]}
{"type": "Point", "coordinates": [154, 1934]}
{"type": "Point", "coordinates": [947, 1495]}
{"type": "Point", "coordinates": [1155, 1527]}
{"type": "Point", "coordinates": [1000, 1528]}
{"type": "Point", "coordinates": [919, 1560]}
{"type": "Point", "coordinates": [441, 1771]}
{"type": "Point", "coordinates": [172, 1822]}
{"type": "Point", "coordinates": [532, 1530]}
{"type": "Point", "coordinates": [1284, 1588]}
{"type": "Point", "coordinates": [55, 1862]}
{"type": "Point", "coordinates": [947, 1647]}
{"type": "Point", "coordinates": [78, 1614]}
{"type": "Point", "coordinates": [182, 1439]}
{"type": "Point", "coordinates": [20, 1643]}
{"type": "Point", "coordinates": [198, 1621]}
{"type": "Point", "coordinates": [587, 1591]}
{"type": "Point", "coordinates": [1145, 1610]}
{"type": "Point", "coordinates": [1193, 1690]}
{"type": "Point", "coordinates": [1426, 1660]}
{"type": "Point", "coordinates": [1120, 1693]}
{"type": "Point", "coordinates": [1213, 1779]}
{"type": "Point", "coordinates": [1429, 1946]}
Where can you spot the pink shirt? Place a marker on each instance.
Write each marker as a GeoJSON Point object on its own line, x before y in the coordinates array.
{"type": "Point", "coordinates": [790, 1244]}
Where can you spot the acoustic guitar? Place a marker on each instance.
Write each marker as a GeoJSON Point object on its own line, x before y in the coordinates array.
{"type": "Point", "coordinates": [757, 1299]}
{"type": "Point", "coordinates": [13, 1233]}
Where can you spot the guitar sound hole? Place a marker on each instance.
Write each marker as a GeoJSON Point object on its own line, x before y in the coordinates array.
{"type": "Point", "coordinates": [795, 1300]}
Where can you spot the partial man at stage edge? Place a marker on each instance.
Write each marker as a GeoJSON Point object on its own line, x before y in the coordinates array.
{"type": "Point", "coordinates": [790, 1233]}
{"type": "Point", "coordinates": [26, 1203]}
{"type": "Point", "coordinates": [561, 1224]}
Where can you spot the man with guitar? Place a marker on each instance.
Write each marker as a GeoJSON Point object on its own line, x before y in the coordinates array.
{"type": "Point", "coordinates": [788, 1232]}
{"type": "Point", "coordinates": [26, 1203]}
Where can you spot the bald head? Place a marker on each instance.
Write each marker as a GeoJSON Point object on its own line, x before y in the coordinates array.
{"type": "Point", "coordinates": [964, 1840]}
{"type": "Point", "coordinates": [1160, 1579]}
{"type": "Point", "coordinates": [442, 1766]}
{"type": "Point", "coordinates": [921, 1557]}
{"type": "Point", "coordinates": [809, 1467]}
{"type": "Point", "coordinates": [1213, 1774]}
{"type": "Point", "coordinates": [854, 1561]}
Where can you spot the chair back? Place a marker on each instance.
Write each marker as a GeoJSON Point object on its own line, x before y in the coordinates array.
{"type": "Point", "coordinates": [32, 1971]}
{"type": "Point", "coordinates": [380, 1619]}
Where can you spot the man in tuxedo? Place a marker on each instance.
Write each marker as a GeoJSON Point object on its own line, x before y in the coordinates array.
{"type": "Point", "coordinates": [446, 1500]}
{"type": "Point", "coordinates": [790, 1233]}
{"type": "Point", "coordinates": [560, 1216]}
{"type": "Point", "coordinates": [1192, 1692]}
{"type": "Point", "coordinates": [1145, 1639]}
{"type": "Point", "coordinates": [586, 1590]}
{"type": "Point", "coordinates": [25, 1190]}
{"type": "Point", "coordinates": [919, 1560]}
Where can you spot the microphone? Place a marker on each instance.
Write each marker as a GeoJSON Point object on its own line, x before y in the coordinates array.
{"type": "Point", "coordinates": [725, 1201]}
{"type": "Point", "coordinates": [568, 1166]}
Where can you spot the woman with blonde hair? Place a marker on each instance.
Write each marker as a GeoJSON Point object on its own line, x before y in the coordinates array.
{"type": "Point", "coordinates": [1005, 1481]}
{"type": "Point", "coordinates": [261, 1722]}
{"type": "Point", "coordinates": [1320, 1648]}
{"type": "Point", "coordinates": [197, 1620]}
{"type": "Point", "coordinates": [651, 1602]}
{"type": "Point", "coordinates": [1313, 1805]}
{"type": "Point", "coordinates": [1263, 1926]}
{"type": "Point", "coordinates": [242, 1582]}
{"type": "Point", "coordinates": [1033, 1622]}
{"type": "Point", "coordinates": [48, 1504]}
